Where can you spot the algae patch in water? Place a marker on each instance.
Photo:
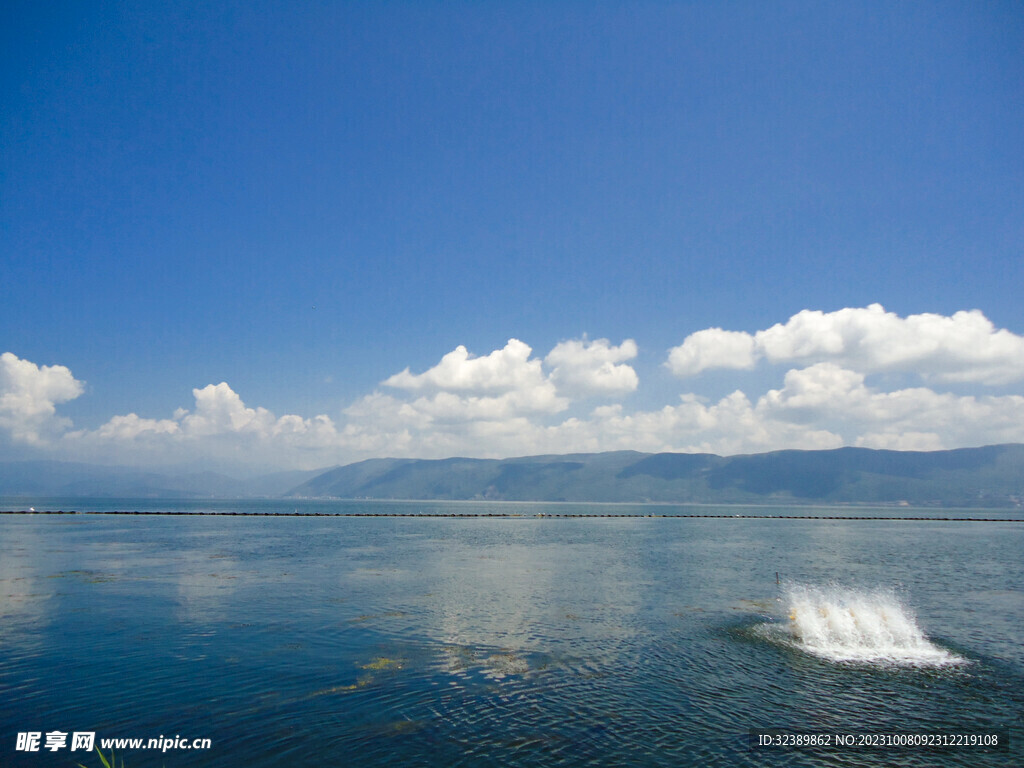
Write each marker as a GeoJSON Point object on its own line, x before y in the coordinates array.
{"type": "Point", "coordinates": [379, 664]}
{"type": "Point", "coordinates": [382, 662]}
{"type": "Point", "coordinates": [336, 689]}
{"type": "Point", "coordinates": [459, 658]}
{"type": "Point", "coordinates": [508, 663]}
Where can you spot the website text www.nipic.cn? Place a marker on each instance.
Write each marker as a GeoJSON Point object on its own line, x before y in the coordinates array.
{"type": "Point", "coordinates": [55, 741]}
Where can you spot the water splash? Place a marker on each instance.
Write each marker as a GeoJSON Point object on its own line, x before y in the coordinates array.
{"type": "Point", "coordinates": [870, 627]}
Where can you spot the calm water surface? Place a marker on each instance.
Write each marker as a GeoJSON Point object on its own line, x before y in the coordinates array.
{"type": "Point", "coordinates": [506, 642]}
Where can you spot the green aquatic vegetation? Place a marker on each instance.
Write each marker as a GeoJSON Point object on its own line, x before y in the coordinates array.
{"type": "Point", "coordinates": [459, 657]}
{"type": "Point", "coordinates": [335, 689]}
{"type": "Point", "coordinates": [382, 662]}
{"type": "Point", "coordinates": [111, 763]}
{"type": "Point", "coordinates": [507, 663]}
{"type": "Point", "coordinates": [361, 682]}
{"type": "Point", "coordinates": [499, 663]}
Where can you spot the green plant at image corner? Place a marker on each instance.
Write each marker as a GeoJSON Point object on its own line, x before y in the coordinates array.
{"type": "Point", "coordinates": [111, 763]}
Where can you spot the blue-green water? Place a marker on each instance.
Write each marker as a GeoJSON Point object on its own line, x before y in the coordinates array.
{"type": "Point", "coordinates": [518, 641]}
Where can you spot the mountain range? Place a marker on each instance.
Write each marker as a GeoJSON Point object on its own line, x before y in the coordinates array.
{"type": "Point", "coordinates": [65, 478]}
{"type": "Point", "coordinates": [988, 476]}
{"type": "Point", "coordinates": [991, 476]}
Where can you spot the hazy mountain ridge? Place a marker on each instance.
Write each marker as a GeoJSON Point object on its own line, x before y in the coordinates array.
{"type": "Point", "coordinates": [62, 478]}
{"type": "Point", "coordinates": [991, 476]}
{"type": "Point", "coordinates": [987, 476]}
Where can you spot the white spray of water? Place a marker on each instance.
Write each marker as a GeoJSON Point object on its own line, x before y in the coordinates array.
{"type": "Point", "coordinates": [870, 627]}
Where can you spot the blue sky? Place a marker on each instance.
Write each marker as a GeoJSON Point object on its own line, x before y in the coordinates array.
{"type": "Point", "coordinates": [302, 200]}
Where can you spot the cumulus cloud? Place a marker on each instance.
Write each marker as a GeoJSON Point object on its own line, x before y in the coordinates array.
{"type": "Point", "coordinates": [503, 370]}
{"type": "Point", "coordinates": [29, 395]}
{"type": "Point", "coordinates": [730, 425]}
{"type": "Point", "coordinates": [464, 404]}
{"type": "Point", "coordinates": [461, 387]}
{"type": "Point", "coordinates": [824, 405]}
{"type": "Point", "coordinates": [464, 388]}
{"type": "Point", "coordinates": [916, 417]}
{"type": "Point", "coordinates": [509, 402]}
{"type": "Point", "coordinates": [220, 425]}
{"type": "Point", "coordinates": [964, 347]}
{"type": "Point", "coordinates": [494, 405]}
{"type": "Point", "coordinates": [581, 368]}
{"type": "Point", "coordinates": [219, 410]}
{"type": "Point", "coordinates": [131, 427]}
{"type": "Point", "coordinates": [712, 348]}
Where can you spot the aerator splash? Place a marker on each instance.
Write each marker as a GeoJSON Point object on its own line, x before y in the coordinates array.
{"type": "Point", "coordinates": [849, 625]}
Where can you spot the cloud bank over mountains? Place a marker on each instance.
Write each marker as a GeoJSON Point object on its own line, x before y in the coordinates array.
{"type": "Point", "coordinates": [836, 371]}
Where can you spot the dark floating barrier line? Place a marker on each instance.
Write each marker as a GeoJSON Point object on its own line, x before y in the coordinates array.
{"type": "Point", "coordinates": [508, 515]}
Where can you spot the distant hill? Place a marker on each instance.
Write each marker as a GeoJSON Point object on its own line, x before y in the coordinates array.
{"type": "Point", "coordinates": [63, 478]}
{"type": "Point", "coordinates": [992, 476]}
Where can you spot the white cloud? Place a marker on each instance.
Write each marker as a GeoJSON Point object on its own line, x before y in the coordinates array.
{"type": "Point", "coordinates": [731, 425]}
{"type": "Point", "coordinates": [131, 426]}
{"type": "Point", "coordinates": [917, 416]}
{"type": "Point", "coordinates": [504, 370]}
{"type": "Point", "coordinates": [219, 426]}
{"type": "Point", "coordinates": [964, 347]}
{"type": "Point", "coordinates": [581, 368]}
{"type": "Point", "coordinates": [463, 388]}
{"type": "Point", "coordinates": [814, 392]}
{"type": "Point", "coordinates": [712, 348]}
{"type": "Point", "coordinates": [823, 406]}
{"type": "Point", "coordinates": [508, 402]}
{"type": "Point", "coordinates": [29, 395]}
{"type": "Point", "coordinates": [220, 410]}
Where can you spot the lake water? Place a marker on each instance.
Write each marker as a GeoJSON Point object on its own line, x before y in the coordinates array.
{"type": "Point", "coordinates": [512, 641]}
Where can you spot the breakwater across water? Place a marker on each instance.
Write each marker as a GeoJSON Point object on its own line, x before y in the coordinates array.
{"type": "Point", "coordinates": [296, 513]}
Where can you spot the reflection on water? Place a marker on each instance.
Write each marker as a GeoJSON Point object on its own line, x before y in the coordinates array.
{"type": "Point", "coordinates": [533, 641]}
{"type": "Point", "coordinates": [24, 595]}
{"type": "Point", "coordinates": [206, 582]}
